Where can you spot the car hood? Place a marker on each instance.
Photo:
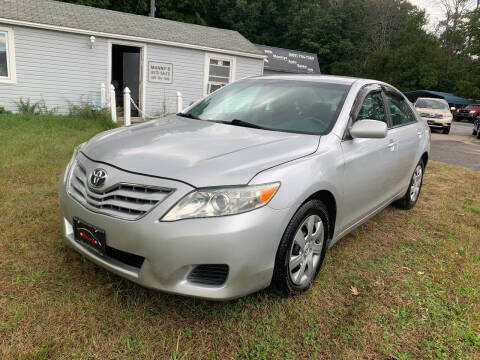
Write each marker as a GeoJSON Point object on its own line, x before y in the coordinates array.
{"type": "Point", "coordinates": [432, 111]}
{"type": "Point", "coordinates": [197, 152]}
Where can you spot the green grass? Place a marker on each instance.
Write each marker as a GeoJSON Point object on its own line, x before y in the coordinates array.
{"type": "Point", "coordinates": [417, 274]}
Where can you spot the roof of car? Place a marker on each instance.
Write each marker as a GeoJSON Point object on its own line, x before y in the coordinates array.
{"type": "Point", "coordinates": [70, 17]}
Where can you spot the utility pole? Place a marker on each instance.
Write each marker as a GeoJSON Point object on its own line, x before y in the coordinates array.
{"type": "Point", "coordinates": [152, 8]}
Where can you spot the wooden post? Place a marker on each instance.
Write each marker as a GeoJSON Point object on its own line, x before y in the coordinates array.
{"type": "Point", "coordinates": [179, 102]}
{"type": "Point", "coordinates": [113, 105]}
{"type": "Point", "coordinates": [103, 95]}
{"type": "Point", "coordinates": [126, 106]}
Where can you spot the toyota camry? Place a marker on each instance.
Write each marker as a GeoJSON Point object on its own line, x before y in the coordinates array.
{"type": "Point", "coordinates": [246, 188]}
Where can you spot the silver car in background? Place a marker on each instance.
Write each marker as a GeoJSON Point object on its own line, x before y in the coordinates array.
{"type": "Point", "coordinates": [247, 188]}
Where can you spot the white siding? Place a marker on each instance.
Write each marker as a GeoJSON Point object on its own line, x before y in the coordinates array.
{"type": "Point", "coordinates": [56, 67]}
{"type": "Point", "coordinates": [247, 67]}
{"type": "Point", "coordinates": [188, 76]}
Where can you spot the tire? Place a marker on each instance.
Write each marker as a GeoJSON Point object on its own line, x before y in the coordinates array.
{"type": "Point", "coordinates": [474, 132]}
{"type": "Point", "coordinates": [307, 261]}
{"type": "Point", "coordinates": [446, 130]}
{"type": "Point", "coordinates": [478, 132]}
{"type": "Point", "coordinates": [408, 201]}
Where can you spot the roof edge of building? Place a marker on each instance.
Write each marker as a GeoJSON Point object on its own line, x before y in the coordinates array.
{"type": "Point", "coordinates": [128, 37]}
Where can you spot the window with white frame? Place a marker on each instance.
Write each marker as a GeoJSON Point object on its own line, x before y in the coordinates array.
{"type": "Point", "coordinates": [219, 72]}
{"type": "Point", "coordinates": [7, 58]}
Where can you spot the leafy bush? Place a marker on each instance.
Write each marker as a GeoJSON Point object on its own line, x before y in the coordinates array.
{"type": "Point", "coordinates": [27, 107]}
{"type": "Point", "coordinates": [85, 110]}
{"type": "Point", "coordinates": [3, 111]}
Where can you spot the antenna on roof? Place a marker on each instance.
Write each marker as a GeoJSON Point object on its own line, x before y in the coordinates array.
{"type": "Point", "coordinates": [152, 8]}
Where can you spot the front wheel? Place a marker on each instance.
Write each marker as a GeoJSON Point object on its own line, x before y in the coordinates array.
{"type": "Point", "coordinates": [446, 130]}
{"type": "Point", "coordinates": [409, 200]}
{"type": "Point", "coordinates": [302, 249]}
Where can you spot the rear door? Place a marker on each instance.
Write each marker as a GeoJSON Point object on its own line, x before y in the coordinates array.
{"type": "Point", "coordinates": [407, 132]}
{"type": "Point", "coordinates": [369, 164]}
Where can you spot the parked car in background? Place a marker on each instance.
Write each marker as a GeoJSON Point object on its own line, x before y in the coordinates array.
{"type": "Point", "coordinates": [476, 127]}
{"type": "Point", "coordinates": [436, 112]}
{"type": "Point", "coordinates": [469, 112]}
{"type": "Point", "coordinates": [248, 187]}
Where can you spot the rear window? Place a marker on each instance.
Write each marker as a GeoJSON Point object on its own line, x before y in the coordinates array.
{"type": "Point", "coordinates": [282, 105]}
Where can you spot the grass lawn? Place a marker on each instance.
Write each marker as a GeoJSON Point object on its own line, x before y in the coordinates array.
{"type": "Point", "coordinates": [417, 274]}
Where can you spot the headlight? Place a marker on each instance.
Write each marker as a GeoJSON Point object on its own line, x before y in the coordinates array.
{"type": "Point", "coordinates": [72, 160]}
{"type": "Point", "coordinates": [210, 202]}
{"type": "Point", "coordinates": [472, 112]}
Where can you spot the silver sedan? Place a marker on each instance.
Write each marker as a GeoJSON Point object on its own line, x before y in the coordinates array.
{"type": "Point", "coordinates": [247, 188]}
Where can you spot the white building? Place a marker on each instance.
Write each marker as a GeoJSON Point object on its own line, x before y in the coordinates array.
{"type": "Point", "coordinates": [60, 53]}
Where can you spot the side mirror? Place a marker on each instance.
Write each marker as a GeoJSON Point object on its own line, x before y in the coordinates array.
{"type": "Point", "coordinates": [368, 129]}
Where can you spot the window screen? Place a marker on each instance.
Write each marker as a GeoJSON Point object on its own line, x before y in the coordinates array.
{"type": "Point", "coordinates": [219, 72]}
{"type": "Point", "coordinates": [3, 55]}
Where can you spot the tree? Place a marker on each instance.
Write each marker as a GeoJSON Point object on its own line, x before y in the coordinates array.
{"type": "Point", "coordinates": [380, 39]}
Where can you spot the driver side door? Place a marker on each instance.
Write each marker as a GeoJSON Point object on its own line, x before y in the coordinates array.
{"type": "Point", "coordinates": [369, 164]}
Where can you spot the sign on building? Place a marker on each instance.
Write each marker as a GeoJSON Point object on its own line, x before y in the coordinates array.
{"type": "Point", "coordinates": [290, 61]}
{"type": "Point", "coordinates": [160, 72]}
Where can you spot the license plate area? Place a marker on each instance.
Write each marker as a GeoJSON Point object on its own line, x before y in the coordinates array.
{"type": "Point", "coordinates": [90, 236]}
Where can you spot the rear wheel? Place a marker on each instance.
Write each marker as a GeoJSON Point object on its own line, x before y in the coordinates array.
{"type": "Point", "coordinates": [302, 249]}
{"type": "Point", "coordinates": [409, 200]}
{"type": "Point", "coordinates": [446, 130]}
{"type": "Point", "coordinates": [474, 132]}
{"type": "Point", "coordinates": [478, 132]}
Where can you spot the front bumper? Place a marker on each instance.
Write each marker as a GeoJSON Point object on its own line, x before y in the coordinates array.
{"type": "Point", "coordinates": [437, 124]}
{"type": "Point", "coordinates": [247, 243]}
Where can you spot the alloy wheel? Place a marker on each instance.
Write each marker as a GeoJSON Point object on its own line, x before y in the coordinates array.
{"type": "Point", "coordinates": [306, 250]}
{"type": "Point", "coordinates": [416, 183]}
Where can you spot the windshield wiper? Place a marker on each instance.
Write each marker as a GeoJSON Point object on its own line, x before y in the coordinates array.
{"type": "Point", "coordinates": [189, 116]}
{"type": "Point", "coordinates": [237, 122]}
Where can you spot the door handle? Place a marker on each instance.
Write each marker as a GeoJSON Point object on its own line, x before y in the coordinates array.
{"type": "Point", "coordinates": [391, 145]}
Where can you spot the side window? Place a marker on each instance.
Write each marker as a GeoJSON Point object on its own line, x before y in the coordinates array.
{"type": "Point", "coordinates": [373, 108]}
{"type": "Point", "coordinates": [399, 109]}
{"type": "Point", "coordinates": [7, 57]}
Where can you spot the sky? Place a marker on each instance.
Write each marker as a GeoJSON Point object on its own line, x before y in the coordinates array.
{"type": "Point", "coordinates": [434, 10]}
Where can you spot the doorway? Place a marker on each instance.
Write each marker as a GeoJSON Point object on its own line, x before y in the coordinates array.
{"type": "Point", "coordinates": [126, 72]}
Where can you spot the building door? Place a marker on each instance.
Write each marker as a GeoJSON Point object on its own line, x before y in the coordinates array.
{"type": "Point", "coordinates": [126, 72]}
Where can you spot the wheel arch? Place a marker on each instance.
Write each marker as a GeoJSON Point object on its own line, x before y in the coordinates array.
{"type": "Point", "coordinates": [425, 159]}
{"type": "Point", "coordinates": [329, 200]}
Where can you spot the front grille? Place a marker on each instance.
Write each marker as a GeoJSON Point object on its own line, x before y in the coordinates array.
{"type": "Point", "coordinates": [122, 200]}
{"type": "Point", "coordinates": [125, 257]}
{"type": "Point", "coordinates": [209, 274]}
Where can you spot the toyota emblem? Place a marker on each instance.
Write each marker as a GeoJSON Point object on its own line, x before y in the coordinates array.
{"type": "Point", "coordinates": [98, 177]}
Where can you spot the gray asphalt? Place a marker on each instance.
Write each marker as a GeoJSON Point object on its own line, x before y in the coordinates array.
{"type": "Point", "coordinates": [459, 147]}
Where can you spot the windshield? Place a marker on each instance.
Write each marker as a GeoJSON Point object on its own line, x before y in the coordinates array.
{"type": "Point", "coordinates": [432, 104]}
{"type": "Point", "coordinates": [283, 105]}
{"type": "Point", "coordinates": [473, 106]}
